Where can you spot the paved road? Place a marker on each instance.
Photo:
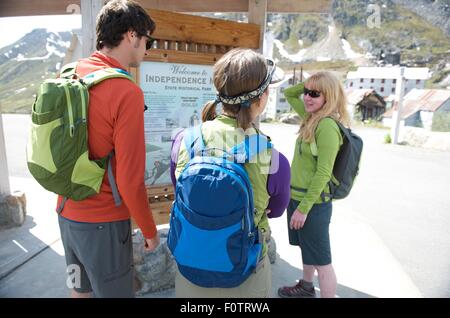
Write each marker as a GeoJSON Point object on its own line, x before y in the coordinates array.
{"type": "Point", "coordinates": [16, 128]}
{"type": "Point", "coordinates": [400, 195]}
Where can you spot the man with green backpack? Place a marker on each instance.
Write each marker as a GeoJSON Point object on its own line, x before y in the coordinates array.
{"type": "Point", "coordinates": [87, 145]}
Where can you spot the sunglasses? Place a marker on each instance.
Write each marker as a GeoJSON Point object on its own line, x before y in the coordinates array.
{"type": "Point", "coordinates": [150, 41]}
{"type": "Point", "coordinates": [312, 93]}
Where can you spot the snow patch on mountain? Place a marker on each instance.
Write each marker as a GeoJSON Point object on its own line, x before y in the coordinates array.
{"type": "Point", "coordinates": [332, 47]}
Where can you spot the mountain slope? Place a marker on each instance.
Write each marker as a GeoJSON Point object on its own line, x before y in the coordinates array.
{"type": "Point", "coordinates": [26, 63]}
{"type": "Point", "coordinates": [400, 29]}
{"type": "Point", "coordinates": [436, 12]}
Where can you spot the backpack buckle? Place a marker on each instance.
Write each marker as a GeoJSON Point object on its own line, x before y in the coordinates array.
{"type": "Point", "coordinates": [240, 158]}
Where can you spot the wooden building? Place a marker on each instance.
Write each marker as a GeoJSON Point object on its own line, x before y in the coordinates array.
{"type": "Point", "coordinates": [367, 102]}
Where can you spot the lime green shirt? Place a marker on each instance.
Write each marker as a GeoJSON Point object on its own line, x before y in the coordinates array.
{"type": "Point", "coordinates": [309, 172]}
{"type": "Point", "coordinates": [222, 133]}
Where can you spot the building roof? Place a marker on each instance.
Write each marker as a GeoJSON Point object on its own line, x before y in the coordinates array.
{"type": "Point", "coordinates": [354, 96]}
{"type": "Point", "coordinates": [389, 73]}
{"type": "Point", "coordinates": [421, 100]}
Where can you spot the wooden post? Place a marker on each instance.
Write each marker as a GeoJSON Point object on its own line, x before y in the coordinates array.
{"type": "Point", "coordinates": [89, 12]}
{"type": "Point", "coordinates": [5, 189]}
{"type": "Point", "coordinates": [257, 13]}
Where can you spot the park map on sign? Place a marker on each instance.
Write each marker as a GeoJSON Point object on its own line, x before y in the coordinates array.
{"type": "Point", "coordinates": [175, 95]}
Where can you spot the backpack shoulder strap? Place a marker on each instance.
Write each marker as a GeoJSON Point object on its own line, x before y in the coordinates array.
{"type": "Point", "coordinates": [106, 73]}
{"type": "Point", "coordinates": [193, 140]}
{"type": "Point", "coordinates": [250, 147]}
{"type": "Point", "coordinates": [341, 127]}
{"type": "Point", "coordinates": [344, 130]}
{"type": "Point", "coordinates": [68, 70]}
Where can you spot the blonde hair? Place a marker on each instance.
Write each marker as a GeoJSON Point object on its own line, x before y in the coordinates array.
{"type": "Point", "coordinates": [236, 72]}
{"type": "Point", "coordinates": [335, 104]}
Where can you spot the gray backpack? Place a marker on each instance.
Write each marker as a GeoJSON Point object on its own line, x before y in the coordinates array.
{"type": "Point", "coordinates": [346, 166]}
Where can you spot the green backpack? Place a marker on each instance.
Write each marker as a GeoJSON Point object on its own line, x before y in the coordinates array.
{"type": "Point", "coordinates": [57, 149]}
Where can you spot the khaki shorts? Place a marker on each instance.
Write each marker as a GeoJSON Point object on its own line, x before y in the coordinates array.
{"type": "Point", "coordinates": [258, 285]}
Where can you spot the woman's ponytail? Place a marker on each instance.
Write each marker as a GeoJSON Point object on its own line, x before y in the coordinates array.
{"type": "Point", "coordinates": [209, 111]}
{"type": "Point", "coordinates": [243, 118]}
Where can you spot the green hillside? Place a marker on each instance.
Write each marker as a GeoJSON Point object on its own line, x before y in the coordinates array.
{"type": "Point", "coordinates": [401, 30]}
{"type": "Point", "coordinates": [18, 91]}
{"type": "Point", "coordinates": [25, 64]}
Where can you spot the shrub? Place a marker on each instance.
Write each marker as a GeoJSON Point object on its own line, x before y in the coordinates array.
{"type": "Point", "coordinates": [387, 138]}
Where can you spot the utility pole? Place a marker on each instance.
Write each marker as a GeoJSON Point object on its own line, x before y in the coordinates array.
{"type": "Point", "coordinates": [294, 81]}
{"type": "Point", "coordinates": [400, 93]}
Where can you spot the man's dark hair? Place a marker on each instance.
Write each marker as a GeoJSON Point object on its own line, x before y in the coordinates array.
{"type": "Point", "coordinates": [118, 17]}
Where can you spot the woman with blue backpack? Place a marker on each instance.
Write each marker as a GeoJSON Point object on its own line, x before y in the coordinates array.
{"type": "Point", "coordinates": [322, 111]}
{"type": "Point", "coordinates": [229, 180]}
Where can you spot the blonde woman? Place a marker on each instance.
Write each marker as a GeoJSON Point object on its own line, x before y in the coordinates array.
{"type": "Point", "coordinates": [310, 207]}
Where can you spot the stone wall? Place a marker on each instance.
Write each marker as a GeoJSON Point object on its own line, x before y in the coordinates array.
{"type": "Point", "coordinates": [13, 210]}
{"type": "Point", "coordinates": [155, 271]}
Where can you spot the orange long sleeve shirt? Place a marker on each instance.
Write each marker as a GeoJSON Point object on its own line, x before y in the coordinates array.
{"type": "Point", "coordinates": [115, 121]}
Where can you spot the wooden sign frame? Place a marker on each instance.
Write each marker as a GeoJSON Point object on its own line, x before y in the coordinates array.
{"type": "Point", "coordinates": [190, 39]}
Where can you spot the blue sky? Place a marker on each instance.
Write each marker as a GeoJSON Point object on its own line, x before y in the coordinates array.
{"type": "Point", "coordinates": [14, 28]}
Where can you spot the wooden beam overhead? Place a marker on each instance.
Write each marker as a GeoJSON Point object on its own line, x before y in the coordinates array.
{"type": "Point", "coordinates": [286, 6]}
{"type": "Point", "coordinates": [174, 26]}
{"type": "Point", "coordinates": [19, 8]}
{"type": "Point", "coordinates": [197, 5]}
{"type": "Point", "coordinates": [299, 6]}
{"type": "Point", "coordinates": [51, 7]}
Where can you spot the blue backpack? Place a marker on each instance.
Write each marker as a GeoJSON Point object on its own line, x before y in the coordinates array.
{"type": "Point", "coordinates": [212, 234]}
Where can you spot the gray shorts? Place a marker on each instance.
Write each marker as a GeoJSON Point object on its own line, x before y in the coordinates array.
{"type": "Point", "coordinates": [313, 238]}
{"type": "Point", "coordinates": [99, 257]}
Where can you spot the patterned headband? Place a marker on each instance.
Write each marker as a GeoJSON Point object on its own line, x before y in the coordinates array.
{"type": "Point", "coordinates": [245, 98]}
